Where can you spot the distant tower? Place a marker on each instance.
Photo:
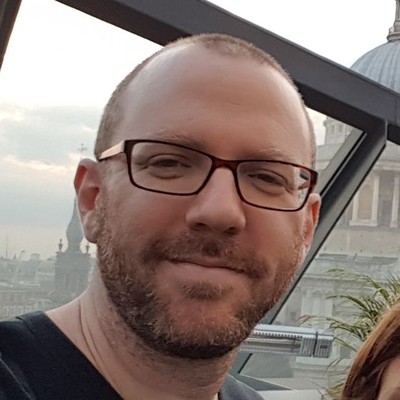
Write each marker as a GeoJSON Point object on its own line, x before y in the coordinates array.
{"type": "Point", "coordinates": [72, 265]}
{"type": "Point", "coordinates": [382, 64]}
{"type": "Point", "coordinates": [394, 32]}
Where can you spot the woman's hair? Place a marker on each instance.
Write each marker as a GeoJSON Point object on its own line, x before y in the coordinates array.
{"type": "Point", "coordinates": [380, 347]}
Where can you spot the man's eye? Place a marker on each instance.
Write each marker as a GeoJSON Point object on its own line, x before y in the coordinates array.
{"type": "Point", "coordinates": [268, 178]}
{"type": "Point", "coordinates": [168, 167]}
{"type": "Point", "coordinates": [167, 163]}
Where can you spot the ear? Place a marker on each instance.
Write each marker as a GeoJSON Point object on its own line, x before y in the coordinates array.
{"type": "Point", "coordinates": [312, 209]}
{"type": "Point", "coordinates": [87, 187]}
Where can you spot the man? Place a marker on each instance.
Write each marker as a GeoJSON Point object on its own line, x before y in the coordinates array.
{"type": "Point", "coordinates": [202, 207]}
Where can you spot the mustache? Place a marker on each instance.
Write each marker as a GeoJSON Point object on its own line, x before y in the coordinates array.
{"type": "Point", "coordinates": [189, 245]}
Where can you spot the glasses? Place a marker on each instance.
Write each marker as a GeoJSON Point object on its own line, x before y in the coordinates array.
{"type": "Point", "coordinates": [175, 169]}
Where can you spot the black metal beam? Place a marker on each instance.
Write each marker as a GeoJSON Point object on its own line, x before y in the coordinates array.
{"type": "Point", "coordinates": [394, 129]}
{"type": "Point", "coordinates": [327, 87]}
{"type": "Point", "coordinates": [8, 14]}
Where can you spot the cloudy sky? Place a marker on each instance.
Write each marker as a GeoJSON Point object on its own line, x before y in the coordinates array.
{"type": "Point", "coordinates": [62, 65]}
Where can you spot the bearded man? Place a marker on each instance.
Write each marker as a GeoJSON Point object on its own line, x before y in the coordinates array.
{"type": "Point", "coordinates": [201, 202]}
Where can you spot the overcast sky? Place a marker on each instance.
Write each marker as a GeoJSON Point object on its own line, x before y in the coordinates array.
{"type": "Point", "coordinates": [62, 65]}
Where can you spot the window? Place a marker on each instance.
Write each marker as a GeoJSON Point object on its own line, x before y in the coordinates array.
{"type": "Point", "coordinates": [49, 116]}
{"type": "Point", "coordinates": [365, 204]}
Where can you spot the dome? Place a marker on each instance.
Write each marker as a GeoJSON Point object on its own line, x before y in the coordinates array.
{"type": "Point", "coordinates": [382, 64]}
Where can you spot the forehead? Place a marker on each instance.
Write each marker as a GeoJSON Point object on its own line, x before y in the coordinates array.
{"type": "Point", "coordinates": [200, 95]}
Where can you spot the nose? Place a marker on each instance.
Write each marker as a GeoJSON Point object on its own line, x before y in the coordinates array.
{"type": "Point", "coordinates": [218, 206]}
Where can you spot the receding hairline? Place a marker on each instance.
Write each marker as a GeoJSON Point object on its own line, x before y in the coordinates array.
{"type": "Point", "coordinates": [221, 44]}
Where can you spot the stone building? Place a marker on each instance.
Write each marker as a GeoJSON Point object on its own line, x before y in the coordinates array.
{"type": "Point", "coordinates": [35, 284]}
{"type": "Point", "coordinates": [366, 239]}
{"type": "Point", "coordinates": [72, 265]}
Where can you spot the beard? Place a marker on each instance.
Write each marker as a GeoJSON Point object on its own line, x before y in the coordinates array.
{"type": "Point", "coordinates": [130, 278]}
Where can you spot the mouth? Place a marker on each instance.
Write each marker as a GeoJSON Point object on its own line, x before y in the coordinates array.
{"type": "Point", "coordinates": [206, 263]}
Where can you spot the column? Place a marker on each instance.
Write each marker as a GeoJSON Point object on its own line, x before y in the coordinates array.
{"type": "Point", "coordinates": [354, 216]}
{"type": "Point", "coordinates": [395, 202]}
{"type": "Point", "coordinates": [375, 201]}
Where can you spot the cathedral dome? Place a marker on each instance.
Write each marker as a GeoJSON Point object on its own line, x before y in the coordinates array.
{"type": "Point", "coordinates": [382, 64]}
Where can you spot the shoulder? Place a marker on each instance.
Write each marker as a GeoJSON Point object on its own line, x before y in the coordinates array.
{"type": "Point", "coordinates": [18, 329]}
{"type": "Point", "coordinates": [15, 345]}
{"type": "Point", "coordinates": [235, 390]}
{"type": "Point", "coordinates": [21, 341]}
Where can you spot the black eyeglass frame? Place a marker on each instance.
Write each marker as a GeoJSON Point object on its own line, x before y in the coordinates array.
{"type": "Point", "coordinates": [126, 146]}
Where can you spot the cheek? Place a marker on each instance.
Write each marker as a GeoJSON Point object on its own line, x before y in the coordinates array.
{"type": "Point", "coordinates": [275, 232]}
{"type": "Point", "coordinates": [144, 214]}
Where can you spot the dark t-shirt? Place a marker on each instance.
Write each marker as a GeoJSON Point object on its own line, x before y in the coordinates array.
{"type": "Point", "coordinates": [38, 362]}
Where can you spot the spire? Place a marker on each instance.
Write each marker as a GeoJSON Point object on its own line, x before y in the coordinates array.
{"type": "Point", "coordinates": [394, 31]}
{"type": "Point", "coordinates": [74, 232]}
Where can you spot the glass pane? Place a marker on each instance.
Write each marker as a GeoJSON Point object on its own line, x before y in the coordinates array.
{"type": "Point", "coordinates": [364, 245]}
{"type": "Point", "coordinates": [313, 24]}
{"type": "Point", "coordinates": [53, 85]}
{"type": "Point", "coordinates": [49, 116]}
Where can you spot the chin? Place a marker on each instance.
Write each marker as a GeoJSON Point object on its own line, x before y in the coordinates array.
{"type": "Point", "coordinates": [198, 329]}
{"type": "Point", "coordinates": [201, 337]}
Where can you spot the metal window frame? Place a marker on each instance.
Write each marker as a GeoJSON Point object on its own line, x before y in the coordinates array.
{"type": "Point", "coordinates": [8, 12]}
{"type": "Point", "coordinates": [325, 86]}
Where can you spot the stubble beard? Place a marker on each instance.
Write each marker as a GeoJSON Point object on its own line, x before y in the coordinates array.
{"type": "Point", "coordinates": [130, 281]}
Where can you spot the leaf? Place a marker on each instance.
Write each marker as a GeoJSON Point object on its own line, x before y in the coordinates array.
{"type": "Point", "coordinates": [374, 297]}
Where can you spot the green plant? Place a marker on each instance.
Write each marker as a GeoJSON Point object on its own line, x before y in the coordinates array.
{"type": "Point", "coordinates": [366, 299]}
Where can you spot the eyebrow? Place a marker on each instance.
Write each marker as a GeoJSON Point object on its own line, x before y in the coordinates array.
{"type": "Point", "coordinates": [183, 138]}
{"type": "Point", "coordinates": [270, 153]}
{"type": "Point", "coordinates": [180, 138]}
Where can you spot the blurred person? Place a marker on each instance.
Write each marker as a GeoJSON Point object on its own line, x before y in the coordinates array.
{"type": "Point", "coordinates": [201, 202]}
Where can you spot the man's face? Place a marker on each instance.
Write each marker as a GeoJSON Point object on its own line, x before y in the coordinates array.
{"type": "Point", "coordinates": [192, 275]}
{"type": "Point", "coordinates": [390, 385]}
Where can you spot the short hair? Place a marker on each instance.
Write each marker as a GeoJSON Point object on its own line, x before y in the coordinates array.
{"type": "Point", "coordinates": [223, 45]}
{"type": "Point", "coordinates": [381, 346]}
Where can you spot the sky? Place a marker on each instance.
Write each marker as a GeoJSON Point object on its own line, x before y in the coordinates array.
{"type": "Point", "coordinates": [62, 65]}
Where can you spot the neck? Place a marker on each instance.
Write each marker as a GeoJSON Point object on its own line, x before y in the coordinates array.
{"type": "Point", "coordinates": [134, 370]}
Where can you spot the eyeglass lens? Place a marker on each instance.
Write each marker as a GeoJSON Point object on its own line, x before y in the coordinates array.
{"type": "Point", "coordinates": [178, 170]}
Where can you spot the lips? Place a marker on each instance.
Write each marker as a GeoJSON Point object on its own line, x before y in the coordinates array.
{"type": "Point", "coordinates": [205, 262]}
{"type": "Point", "coordinates": [206, 252]}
